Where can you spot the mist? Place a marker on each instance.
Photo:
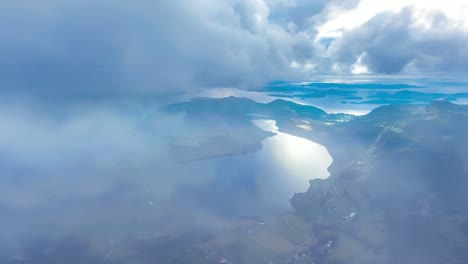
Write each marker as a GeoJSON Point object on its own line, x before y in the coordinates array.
{"type": "Point", "coordinates": [111, 176]}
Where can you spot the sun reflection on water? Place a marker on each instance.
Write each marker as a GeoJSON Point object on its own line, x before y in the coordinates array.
{"type": "Point", "coordinates": [298, 158]}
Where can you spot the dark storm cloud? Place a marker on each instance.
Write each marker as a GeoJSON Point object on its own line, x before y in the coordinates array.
{"type": "Point", "coordinates": [297, 12]}
{"type": "Point", "coordinates": [304, 14]}
{"type": "Point", "coordinates": [392, 43]}
{"type": "Point", "coordinates": [96, 47]}
{"type": "Point", "coordinates": [113, 47]}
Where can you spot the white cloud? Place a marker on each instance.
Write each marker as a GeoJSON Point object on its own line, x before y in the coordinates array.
{"type": "Point", "coordinates": [393, 42]}
{"type": "Point", "coordinates": [340, 20]}
{"type": "Point", "coordinates": [359, 67]}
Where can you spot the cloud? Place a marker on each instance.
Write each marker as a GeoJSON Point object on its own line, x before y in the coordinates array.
{"type": "Point", "coordinates": [397, 42]}
{"type": "Point", "coordinates": [90, 47]}
{"type": "Point", "coordinates": [112, 47]}
{"type": "Point", "coordinates": [83, 151]}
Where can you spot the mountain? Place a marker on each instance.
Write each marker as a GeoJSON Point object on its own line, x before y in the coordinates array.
{"type": "Point", "coordinates": [397, 185]}
{"type": "Point", "coordinates": [234, 108]}
{"type": "Point", "coordinates": [398, 181]}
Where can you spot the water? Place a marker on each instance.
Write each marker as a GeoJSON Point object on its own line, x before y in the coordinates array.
{"type": "Point", "coordinates": [293, 161]}
{"type": "Point", "coordinates": [262, 182]}
{"type": "Point", "coordinates": [359, 99]}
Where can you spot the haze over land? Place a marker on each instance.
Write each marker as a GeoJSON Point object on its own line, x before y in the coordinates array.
{"type": "Point", "coordinates": [233, 131]}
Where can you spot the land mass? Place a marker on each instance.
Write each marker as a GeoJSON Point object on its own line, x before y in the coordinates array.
{"type": "Point", "coordinates": [396, 191]}
{"type": "Point", "coordinates": [227, 126]}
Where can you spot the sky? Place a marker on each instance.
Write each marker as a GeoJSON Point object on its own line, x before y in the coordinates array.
{"type": "Point", "coordinates": [89, 48]}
